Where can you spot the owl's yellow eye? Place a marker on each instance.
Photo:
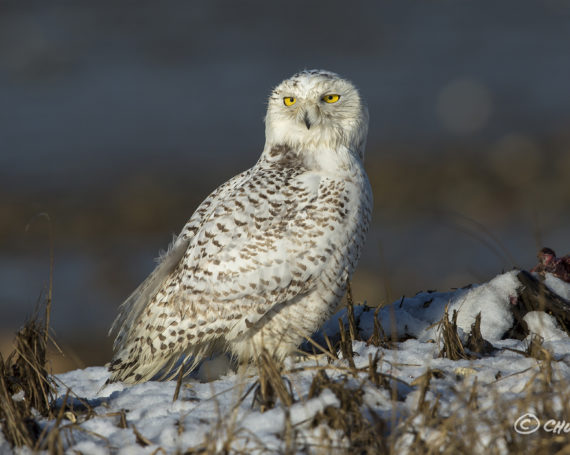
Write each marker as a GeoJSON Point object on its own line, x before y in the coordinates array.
{"type": "Point", "coordinates": [289, 100]}
{"type": "Point", "coordinates": [331, 98]}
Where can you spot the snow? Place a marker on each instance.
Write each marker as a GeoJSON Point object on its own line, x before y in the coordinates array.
{"type": "Point", "coordinates": [544, 325]}
{"type": "Point", "coordinates": [557, 286]}
{"type": "Point", "coordinates": [220, 414]}
{"type": "Point", "coordinates": [416, 316]}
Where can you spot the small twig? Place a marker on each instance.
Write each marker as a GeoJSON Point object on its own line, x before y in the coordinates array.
{"type": "Point", "coordinates": [353, 331]}
{"type": "Point", "coordinates": [141, 440]}
{"type": "Point", "coordinates": [346, 345]}
{"type": "Point", "coordinates": [178, 384]}
{"type": "Point", "coordinates": [330, 353]}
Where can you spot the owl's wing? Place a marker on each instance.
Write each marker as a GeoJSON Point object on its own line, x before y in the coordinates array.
{"type": "Point", "coordinates": [266, 241]}
{"type": "Point", "coordinates": [132, 308]}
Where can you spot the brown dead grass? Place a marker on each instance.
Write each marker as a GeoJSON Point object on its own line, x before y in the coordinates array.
{"type": "Point", "coordinates": [25, 385]}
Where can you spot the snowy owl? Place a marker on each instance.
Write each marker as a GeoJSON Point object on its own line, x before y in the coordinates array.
{"type": "Point", "coordinates": [265, 259]}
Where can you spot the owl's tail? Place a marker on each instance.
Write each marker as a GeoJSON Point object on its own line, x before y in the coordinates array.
{"type": "Point", "coordinates": [137, 364]}
{"type": "Point", "coordinates": [131, 362]}
{"type": "Point", "coordinates": [130, 310]}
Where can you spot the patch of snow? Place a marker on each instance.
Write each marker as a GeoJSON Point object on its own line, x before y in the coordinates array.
{"type": "Point", "coordinates": [557, 286]}
{"type": "Point", "coordinates": [492, 301]}
{"type": "Point", "coordinates": [544, 325]}
{"type": "Point", "coordinates": [418, 316]}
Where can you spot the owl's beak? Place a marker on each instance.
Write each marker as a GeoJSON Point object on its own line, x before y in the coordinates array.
{"type": "Point", "coordinates": [311, 116]}
{"type": "Point", "coordinates": [307, 121]}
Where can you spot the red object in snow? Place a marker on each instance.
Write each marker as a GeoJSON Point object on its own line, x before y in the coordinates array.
{"type": "Point", "coordinates": [548, 262]}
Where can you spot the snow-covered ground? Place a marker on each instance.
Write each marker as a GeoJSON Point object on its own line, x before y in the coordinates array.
{"type": "Point", "coordinates": [410, 394]}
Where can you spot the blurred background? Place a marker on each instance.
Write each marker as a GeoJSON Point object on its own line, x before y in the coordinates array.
{"type": "Point", "coordinates": [118, 118]}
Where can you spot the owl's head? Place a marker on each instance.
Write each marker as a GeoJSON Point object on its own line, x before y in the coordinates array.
{"type": "Point", "coordinates": [317, 110]}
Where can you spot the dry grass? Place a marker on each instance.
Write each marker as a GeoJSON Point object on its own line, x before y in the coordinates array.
{"type": "Point", "coordinates": [452, 347]}
{"type": "Point", "coordinates": [476, 343]}
{"type": "Point", "coordinates": [270, 385]}
{"type": "Point", "coordinates": [25, 385]}
{"type": "Point", "coordinates": [470, 432]}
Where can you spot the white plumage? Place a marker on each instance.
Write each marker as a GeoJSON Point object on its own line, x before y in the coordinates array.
{"type": "Point", "coordinates": [265, 258]}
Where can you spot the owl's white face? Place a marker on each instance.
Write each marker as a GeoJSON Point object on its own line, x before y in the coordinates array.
{"type": "Point", "coordinates": [317, 110]}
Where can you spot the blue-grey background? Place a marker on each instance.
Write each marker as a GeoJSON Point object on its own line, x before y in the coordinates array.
{"type": "Point", "coordinates": [118, 118]}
